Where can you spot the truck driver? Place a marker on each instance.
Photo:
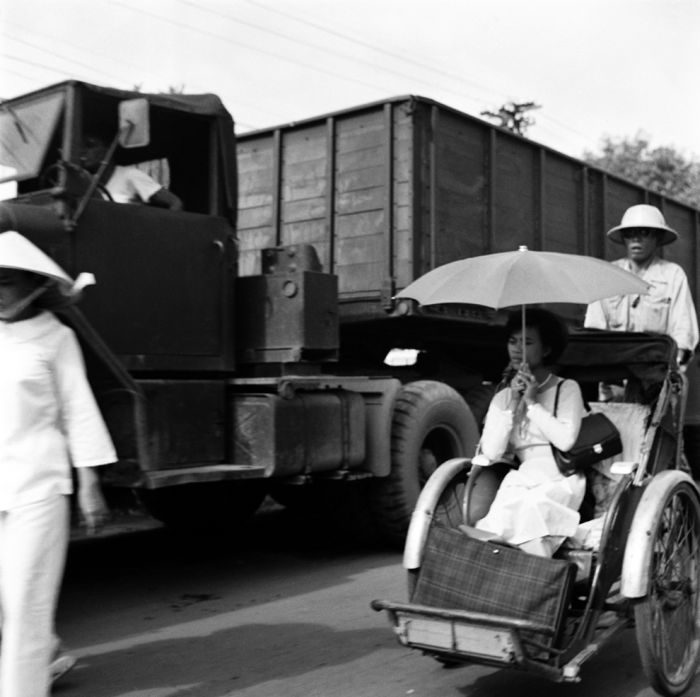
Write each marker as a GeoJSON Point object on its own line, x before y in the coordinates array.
{"type": "Point", "coordinates": [125, 184]}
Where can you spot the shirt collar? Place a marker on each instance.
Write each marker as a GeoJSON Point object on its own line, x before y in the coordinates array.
{"type": "Point", "coordinates": [627, 265]}
{"type": "Point", "coordinates": [28, 329]}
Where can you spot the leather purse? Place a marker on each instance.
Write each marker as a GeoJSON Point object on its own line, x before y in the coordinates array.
{"type": "Point", "coordinates": [597, 440]}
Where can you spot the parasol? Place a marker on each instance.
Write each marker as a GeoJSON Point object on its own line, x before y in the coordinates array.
{"type": "Point", "coordinates": [523, 277]}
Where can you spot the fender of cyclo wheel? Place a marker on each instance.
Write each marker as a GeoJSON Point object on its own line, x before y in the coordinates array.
{"type": "Point", "coordinates": [639, 547]}
{"type": "Point", "coordinates": [425, 506]}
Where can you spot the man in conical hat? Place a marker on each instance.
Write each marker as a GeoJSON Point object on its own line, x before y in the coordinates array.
{"type": "Point", "coordinates": [668, 308]}
{"type": "Point", "coordinates": [49, 424]}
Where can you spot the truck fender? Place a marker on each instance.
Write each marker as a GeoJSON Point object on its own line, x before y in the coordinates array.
{"type": "Point", "coordinates": [639, 547]}
{"type": "Point", "coordinates": [425, 506]}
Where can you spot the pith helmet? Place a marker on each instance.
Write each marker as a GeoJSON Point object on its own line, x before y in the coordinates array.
{"type": "Point", "coordinates": [17, 252]}
{"type": "Point", "coordinates": [643, 216]}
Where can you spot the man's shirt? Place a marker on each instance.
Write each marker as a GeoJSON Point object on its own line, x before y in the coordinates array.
{"type": "Point", "coordinates": [131, 185]}
{"type": "Point", "coordinates": [668, 308]}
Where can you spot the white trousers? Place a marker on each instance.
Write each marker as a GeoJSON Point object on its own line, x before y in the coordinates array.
{"type": "Point", "coordinates": [33, 544]}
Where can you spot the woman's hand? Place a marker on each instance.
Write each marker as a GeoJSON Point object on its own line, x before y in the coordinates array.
{"type": "Point", "coordinates": [525, 385]}
{"type": "Point", "coordinates": [91, 502]}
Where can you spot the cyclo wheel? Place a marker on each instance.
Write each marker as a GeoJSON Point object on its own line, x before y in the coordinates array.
{"type": "Point", "coordinates": [443, 496]}
{"type": "Point", "coordinates": [667, 617]}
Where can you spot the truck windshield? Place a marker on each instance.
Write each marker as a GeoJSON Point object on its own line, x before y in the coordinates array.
{"type": "Point", "coordinates": [26, 130]}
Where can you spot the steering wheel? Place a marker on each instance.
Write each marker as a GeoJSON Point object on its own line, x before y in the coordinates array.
{"type": "Point", "coordinates": [51, 175]}
{"type": "Point", "coordinates": [72, 176]}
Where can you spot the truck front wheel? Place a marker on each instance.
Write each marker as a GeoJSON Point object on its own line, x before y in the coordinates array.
{"type": "Point", "coordinates": [431, 424]}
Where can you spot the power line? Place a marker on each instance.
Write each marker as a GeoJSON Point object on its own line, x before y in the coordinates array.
{"type": "Point", "coordinates": [112, 75]}
{"type": "Point", "coordinates": [72, 46]}
{"type": "Point", "coordinates": [34, 64]}
{"type": "Point", "coordinates": [5, 69]}
{"type": "Point", "coordinates": [565, 126]}
{"type": "Point", "coordinates": [277, 56]}
{"type": "Point", "coordinates": [63, 58]}
{"type": "Point", "coordinates": [240, 44]}
{"type": "Point", "coordinates": [359, 42]}
{"type": "Point", "coordinates": [405, 59]}
{"type": "Point", "coordinates": [307, 44]}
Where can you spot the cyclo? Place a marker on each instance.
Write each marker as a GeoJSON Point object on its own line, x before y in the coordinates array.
{"type": "Point", "coordinates": [637, 559]}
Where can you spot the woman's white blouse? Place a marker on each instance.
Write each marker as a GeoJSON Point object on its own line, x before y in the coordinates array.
{"type": "Point", "coordinates": [537, 426]}
{"type": "Point", "coordinates": [49, 419]}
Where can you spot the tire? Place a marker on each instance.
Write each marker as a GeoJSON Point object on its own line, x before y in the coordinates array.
{"type": "Point", "coordinates": [667, 618]}
{"type": "Point", "coordinates": [431, 424]}
{"type": "Point", "coordinates": [203, 507]}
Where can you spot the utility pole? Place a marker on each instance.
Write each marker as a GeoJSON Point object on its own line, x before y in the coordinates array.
{"type": "Point", "coordinates": [512, 116]}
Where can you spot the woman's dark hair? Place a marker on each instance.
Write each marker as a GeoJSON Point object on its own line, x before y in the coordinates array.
{"type": "Point", "coordinates": [552, 330]}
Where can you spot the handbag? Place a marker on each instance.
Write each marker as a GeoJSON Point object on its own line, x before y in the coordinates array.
{"type": "Point", "coordinates": [597, 440]}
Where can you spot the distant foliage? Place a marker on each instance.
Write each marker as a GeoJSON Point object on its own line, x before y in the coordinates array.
{"type": "Point", "coordinates": [662, 169]}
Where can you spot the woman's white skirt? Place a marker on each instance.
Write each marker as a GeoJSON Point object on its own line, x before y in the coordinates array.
{"type": "Point", "coordinates": [535, 501]}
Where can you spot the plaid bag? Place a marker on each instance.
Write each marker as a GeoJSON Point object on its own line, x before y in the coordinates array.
{"type": "Point", "coordinates": [462, 573]}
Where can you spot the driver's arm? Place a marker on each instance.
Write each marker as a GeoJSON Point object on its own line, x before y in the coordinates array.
{"type": "Point", "coordinates": [166, 199]}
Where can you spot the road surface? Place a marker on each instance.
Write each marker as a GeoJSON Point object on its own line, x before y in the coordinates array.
{"type": "Point", "coordinates": [283, 613]}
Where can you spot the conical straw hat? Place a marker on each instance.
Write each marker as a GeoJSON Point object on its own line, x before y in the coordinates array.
{"type": "Point", "coordinates": [17, 252]}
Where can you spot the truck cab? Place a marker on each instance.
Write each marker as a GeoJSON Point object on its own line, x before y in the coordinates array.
{"type": "Point", "coordinates": [192, 137]}
{"type": "Point", "coordinates": [165, 280]}
{"type": "Point", "coordinates": [157, 328]}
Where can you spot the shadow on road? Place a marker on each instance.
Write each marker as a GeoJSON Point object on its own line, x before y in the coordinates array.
{"type": "Point", "coordinates": [223, 662]}
{"type": "Point", "coordinates": [126, 585]}
{"type": "Point", "coordinates": [615, 671]}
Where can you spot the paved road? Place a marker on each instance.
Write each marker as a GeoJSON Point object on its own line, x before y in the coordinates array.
{"type": "Point", "coordinates": [283, 614]}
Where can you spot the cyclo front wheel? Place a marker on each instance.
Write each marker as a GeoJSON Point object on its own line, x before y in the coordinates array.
{"type": "Point", "coordinates": [667, 617]}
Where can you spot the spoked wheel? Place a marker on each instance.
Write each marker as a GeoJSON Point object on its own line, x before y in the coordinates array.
{"type": "Point", "coordinates": [449, 511]}
{"type": "Point", "coordinates": [667, 618]}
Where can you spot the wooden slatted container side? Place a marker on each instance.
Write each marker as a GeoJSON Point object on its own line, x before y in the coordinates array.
{"type": "Point", "coordinates": [360, 209]}
{"type": "Point", "coordinates": [387, 191]}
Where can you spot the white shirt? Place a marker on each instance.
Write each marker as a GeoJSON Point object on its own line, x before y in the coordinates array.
{"type": "Point", "coordinates": [131, 185]}
{"type": "Point", "coordinates": [535, 500]}
{"type": "Point", "coordinates": [502, 434]}
{"type": "Point", "coordinates": [49, 419]}
{"type": "Point", "coordinates": [668, 308]}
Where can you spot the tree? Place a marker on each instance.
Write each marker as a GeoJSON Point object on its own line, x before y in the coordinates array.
{"type": "Point", "coordinates": [662, 169]}
{"type": "Point", "coordinates": [512, 116]}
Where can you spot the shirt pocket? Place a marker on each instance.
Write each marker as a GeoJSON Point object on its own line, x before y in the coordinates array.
{"type": "Point", "coordinates": [654, 310]}
{"type": "Point", "coordinates": [615, 312]}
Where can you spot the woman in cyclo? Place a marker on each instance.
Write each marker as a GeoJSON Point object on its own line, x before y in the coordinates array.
{"type": "Point", "coordinates": [536, 507]}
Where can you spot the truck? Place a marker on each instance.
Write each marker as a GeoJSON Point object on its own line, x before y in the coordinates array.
{"type": "Point", "coordinates": [252, 344]}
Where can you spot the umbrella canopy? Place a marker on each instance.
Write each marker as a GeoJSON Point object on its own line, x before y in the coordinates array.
{"type": "Point", "coordinates": [523, 277]}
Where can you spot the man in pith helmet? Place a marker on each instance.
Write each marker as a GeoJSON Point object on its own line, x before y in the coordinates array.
{"type": "Point", "coordinates": [668, 308]}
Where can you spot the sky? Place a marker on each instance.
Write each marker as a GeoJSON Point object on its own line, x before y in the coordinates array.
{"type": "Point", "coordinates": [596, 68]}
